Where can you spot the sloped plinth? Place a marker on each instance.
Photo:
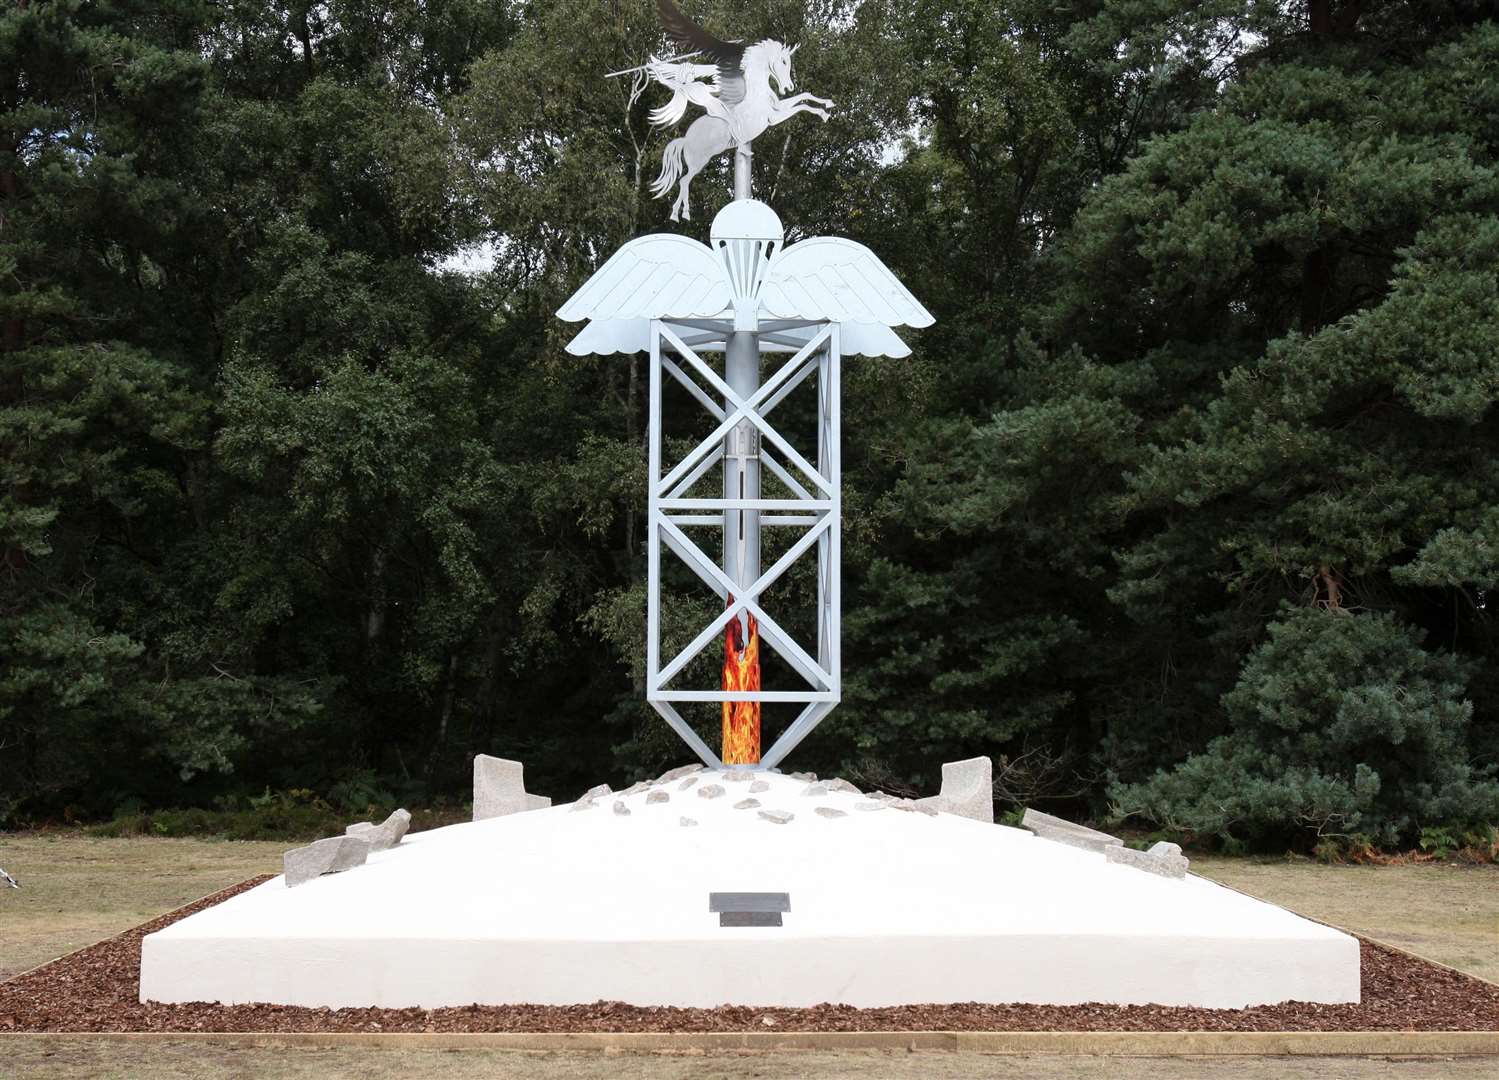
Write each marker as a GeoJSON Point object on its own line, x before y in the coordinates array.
{"type": "Point", "coordinates": [886, 907]}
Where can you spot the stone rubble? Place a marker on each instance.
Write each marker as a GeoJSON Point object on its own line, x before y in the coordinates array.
{"type": "Point", "coordinates": [1163, 858]}
{"type": "Point", "coordinates": [686, 821]}
{"type": "Point", "coordinates": [829, 812]}
{"type": "Point", "coordinates": [738, 776]}
{"type": "Point", "coordinates": [815, 789]}
{"type": "Point", "coordinates": [710, 791]}
{"type": "Point", "coordinates": [621, 809]}
{"type": "Point", "coordinates": [384, 836]}
{"type": "Point", "coordinates": [758, 786]}
{"type": "Point", "coordinates": [685, 784]}
{"type": "Point", "coordinates": [676, 774]}
{"type": "Point", "coordinates": [777, 817]}
{"type": "Point", "coordinates": [746, 804]}
{"type": "Point", "coordinates": [657, 797]}
{"type": "Point", "coordinates": [500, 789]}
{"type": "Point", "coordinates": [840, 784]}
{"type": "Point", "coordinates": [967, 790]}
{"type": "Point", "coordinates": [1068, 832]}
{"type": "Point", "coordinates": [329, 856]}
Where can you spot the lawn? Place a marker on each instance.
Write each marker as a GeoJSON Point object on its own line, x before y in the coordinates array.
{"type": "Point", "coordinates": [78, 889]}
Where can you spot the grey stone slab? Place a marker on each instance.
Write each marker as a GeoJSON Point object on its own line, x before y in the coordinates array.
{"type": "Point", "coordinates": [777, 817]}
{"type": "Point", "coordinates": [1166, 864]}
{"type": "Point", "coordinates": [746, 804]}
{"type": "Point", "coordinates": [685, 784]}
{"type": "Point", "coordinates": [685, 821]}
{"type": "Point", "coordinates": [750, 918]}
{"type": "Point", "coordinates": [968, 788]}
{"type": "Point", "coordinates": [329, 856]}
{"type": "Point", "coordinates": [829, 812]}
{"type": "Point", "coordinates": [621, 809]}
{"type": "Point", "coordinates": [384, 836]}
{"type": "Point", "coordinates": [749, 901]}
{"type": "Point", "coordinates": [759, 786]}
{"type": "Point", "coordinates": [500, 788]}
{"type": "Point", "coordinates": [1067, 832]}
{"type": "Point", "coordinates": [676, 774]}
{"type": "Point", "coordinates": [657, 797]}
{"type": "Point", "coordinates": [710, 791]}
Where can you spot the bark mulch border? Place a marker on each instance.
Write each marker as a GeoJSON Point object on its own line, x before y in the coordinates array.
{"type": "Point", "coordinates": [1411, 1006]}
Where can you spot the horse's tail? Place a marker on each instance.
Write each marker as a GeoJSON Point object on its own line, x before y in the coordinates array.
{"type": "Point", "coordinates": [673, 165]}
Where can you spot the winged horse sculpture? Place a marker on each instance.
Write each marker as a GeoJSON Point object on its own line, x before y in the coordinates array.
{"type": "Point", "coordinates": [734, 92]}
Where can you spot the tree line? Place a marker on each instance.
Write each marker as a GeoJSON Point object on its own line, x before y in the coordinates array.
{"type": "Point", "coordinates": [1185, 509]}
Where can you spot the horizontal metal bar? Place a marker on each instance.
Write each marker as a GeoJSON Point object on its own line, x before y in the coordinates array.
{"type": "Point", "coordinates": [717, 519]}
{"type": "Point", "coordinates": [770, 519]}
{"type": "Point", "coordinates": [744, 504]}
{"type": "Point", "coordinates": [741, 695]}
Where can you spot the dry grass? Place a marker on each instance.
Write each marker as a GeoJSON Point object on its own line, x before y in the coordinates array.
{"type": "Point", "coordinates": [1446, 911]}
{"type": "Point", "coordinates": [78, 889]}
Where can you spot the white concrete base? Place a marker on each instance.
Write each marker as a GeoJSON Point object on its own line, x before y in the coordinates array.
{"type": "Point", "coordinates": [887, 907]}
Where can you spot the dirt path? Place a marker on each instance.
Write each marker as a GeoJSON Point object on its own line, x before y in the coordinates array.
{"type": "Point", "coordinates": [32, 1057]}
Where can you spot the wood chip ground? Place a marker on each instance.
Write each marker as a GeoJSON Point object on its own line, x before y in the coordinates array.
{"type": "Point", "coordinates": [96, 989]}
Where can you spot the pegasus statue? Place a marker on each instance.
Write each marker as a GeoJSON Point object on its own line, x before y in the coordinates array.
{"type": "Point", "coordinates": [732, 88]}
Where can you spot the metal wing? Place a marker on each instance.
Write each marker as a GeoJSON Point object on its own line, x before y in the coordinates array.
{"type": "Point", "coordinates": [653, 277]}
{"type": "Point", "coordinates": [728, 55]}
{"type": "Point", "coordinates": [828, 277]}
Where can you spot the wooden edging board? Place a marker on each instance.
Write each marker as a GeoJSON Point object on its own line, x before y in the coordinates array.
{"type": "Point", "coordinates": [1095, 1043]}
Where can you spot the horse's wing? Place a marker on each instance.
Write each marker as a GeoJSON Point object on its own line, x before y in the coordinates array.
{"type": "Point", "coordinates": [653, 277]}
{"type": "Point", "coordinates": [728, 55]}
{"type": "Point", "coordinates": [829, 277]}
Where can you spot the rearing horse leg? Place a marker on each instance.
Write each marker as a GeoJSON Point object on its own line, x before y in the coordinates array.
{"type": "Point", "coordinates": [706, 138]}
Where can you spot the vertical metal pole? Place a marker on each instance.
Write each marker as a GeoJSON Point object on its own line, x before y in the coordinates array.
{"type": "Point", "coordinates": [835, 478]}
{"type": "Point", "coordinates": [653, 515]}
{"type": "Point", "coordinates": [741, 463]}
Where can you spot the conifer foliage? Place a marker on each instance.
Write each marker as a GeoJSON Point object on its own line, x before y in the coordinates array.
{"type": "Point", "coordinates": [1186, 510]}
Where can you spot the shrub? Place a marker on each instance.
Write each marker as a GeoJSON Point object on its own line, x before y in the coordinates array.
{"type": "Point", "coordinates": [1340, 724]}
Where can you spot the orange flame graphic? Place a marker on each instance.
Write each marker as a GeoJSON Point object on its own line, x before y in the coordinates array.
{"type": "Point", "coordinates": [741, 671]}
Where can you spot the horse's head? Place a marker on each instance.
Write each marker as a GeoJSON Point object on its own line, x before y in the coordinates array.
{"type": "Point", "coordinates": [780, 65]}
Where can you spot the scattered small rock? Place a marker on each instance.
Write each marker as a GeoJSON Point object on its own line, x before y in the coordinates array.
{"type": "Point", "coordinates": [685, 784]}
{"type": "Point", "coordinates": [686, 821]}
{"type": "Point", "coordinates": [657, 797]}
{"type": "Point", "coordinates": [746, 804]}
{"type": "Point", "coordinates": [815, 789]}
{"type": "Point", "coordinates": [738, 776]}
{"type": "Point", "coordinates": [828, 811]}
{"type": "Point", "coordinates": [778, 817]}
{"type": "Point", "coordinates": [676, 774]}
{"type": "Point", "coordinates": [596, 792]}
{"type": "Point", "coordinates": [808, 777]}
{"type": "Point", "coordinates": [758, 786]}
{"type": "Point", "coordinates": [840, 784]}
{"type": "Point", "coordinates": [621, 809]}
{"type": "Point", "coordinates": [582, 804]}
{"type": "Point", "coordinates": [710, 791]}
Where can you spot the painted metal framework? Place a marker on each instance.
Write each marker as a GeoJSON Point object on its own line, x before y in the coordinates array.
{"type": "Point", "coordinates": [677, 350]}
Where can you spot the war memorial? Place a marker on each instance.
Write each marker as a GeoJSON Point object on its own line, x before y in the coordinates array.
{"type": "Point", "coordinates": [735, 880]}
